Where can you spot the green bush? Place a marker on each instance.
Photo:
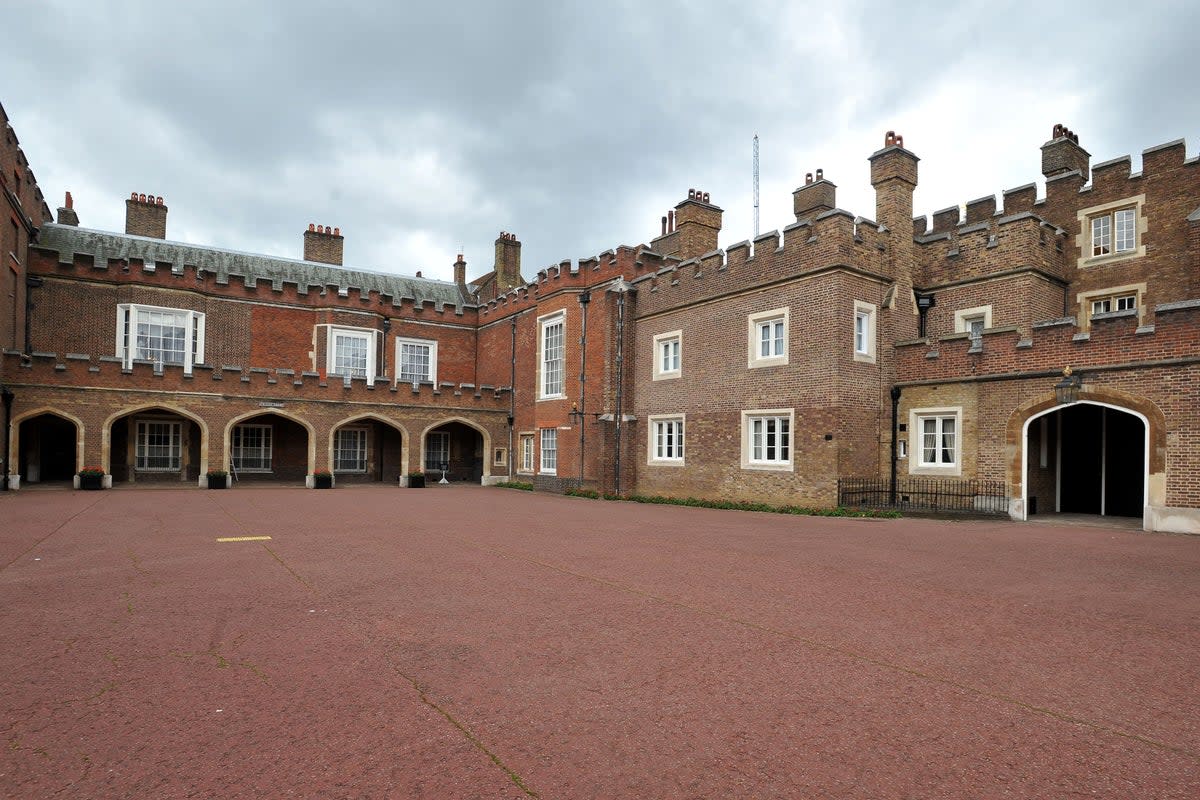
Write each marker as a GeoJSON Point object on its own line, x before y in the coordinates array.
{"type": "Point", "coordinates": [524, 487]}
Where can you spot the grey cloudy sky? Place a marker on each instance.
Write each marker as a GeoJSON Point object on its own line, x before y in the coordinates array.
{"type": "Point", "coordinates": [426, 129]}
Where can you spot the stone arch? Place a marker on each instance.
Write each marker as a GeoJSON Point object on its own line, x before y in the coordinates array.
{"type": "Point", "coordinates": [227, 436]}
{"type": "Point", "coordinates": [12, 457]}
{"type": "Point", "coordinates": [483, 433]}
{"type": "Point", "coordinates": [106, 430]}
{"type": "Point", "coordinates": [370, 416]}
{"type": "Point", "coordinates": [1152, 417]}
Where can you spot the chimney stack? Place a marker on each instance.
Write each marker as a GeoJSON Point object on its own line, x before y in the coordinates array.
{"type": "Point", "coordinates": [323, 244]}
{"type": "Point", "coordinates": [460, 271]}
{"type": "Point", "coordinates": [698, 222]}
{"type": "Point", "coordinates": [66, 212]}
{"type": "Point", "coordinates": [508, 262]}
{"type": "Point", "coordinates": [815, 196]}
{"type": "Point", "coordinates": [145, 215]}
{"type": "Point", "coordinates": [1063, 154]}
{"type": "Point", "coordinates": [894, 176]}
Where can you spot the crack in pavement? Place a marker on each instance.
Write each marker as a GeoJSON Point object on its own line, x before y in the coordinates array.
{"type": "Point", "coordinates": [865, 658]}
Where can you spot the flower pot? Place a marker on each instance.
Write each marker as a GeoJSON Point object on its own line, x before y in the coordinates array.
{"type": "Point", "coordinates": [91, 482]}
{"type": "Point", "coordinates": [416, 481]}
{"type": "Point", "coordinates": [322, 481]}
{"type": "Point", "coordinates": [218, 481]}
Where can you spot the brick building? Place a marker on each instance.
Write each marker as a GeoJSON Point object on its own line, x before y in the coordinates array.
{"type": "Point", "coordinates": [839, 354]}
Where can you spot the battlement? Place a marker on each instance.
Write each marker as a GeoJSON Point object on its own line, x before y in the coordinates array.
{"type": "Point", "coordinates": [972, 250]}
{"type": "Point", "coordinates": [97, 255]}
{"type": "Point", "coordinates": [623, 262]}
{"type": "Point", "coordinates": [1066, 178]}
{"type": "Point", "coordinates": [1115, 340]}
{"type": "Point", "coordinates": [82, 370]}
{"type": "Point", "coordinates": [831, 239]}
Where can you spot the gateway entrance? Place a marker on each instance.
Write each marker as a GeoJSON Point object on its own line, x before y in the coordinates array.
{"type": "Point", "coordinates": [1086, 459]}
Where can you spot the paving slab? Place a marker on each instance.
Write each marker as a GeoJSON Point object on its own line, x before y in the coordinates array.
{"type": "Point", "coordinates": [468, 642]}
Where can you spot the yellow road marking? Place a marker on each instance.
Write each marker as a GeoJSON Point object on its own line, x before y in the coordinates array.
{"type": "Point", "coordinates": [243, 538]}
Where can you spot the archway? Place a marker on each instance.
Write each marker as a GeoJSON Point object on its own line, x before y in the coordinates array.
{"type": "Point", "coordinates": [458, 445]}
{"type": "Point", "coordinates": [48, 448]}
{"type": "Point", "coordinates": [1089, 457]}
{"type": "Point", "coordinates": [266, 447]}
{"type": "Point", "coordinates": [155, 444]}
{"type": "Point", "coordinates": [367, 449]}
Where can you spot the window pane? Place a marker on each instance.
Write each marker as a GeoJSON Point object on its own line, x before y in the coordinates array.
{"type": "Point", "coordinates": [437, 450]}
{"type": "Point", "coordinates": [415, 361]}
{"type": "Point", "coordinates": [1101, 235]}
{"type": "Point", "coordinates": [860, 333]}
{"type": "Point", "coordinates": [350, 451]}
{"type": "Point", "coordinates": [350, 355]}
{"type": "Point", "coordinates": [552, 358]}
{"type": "Point", "coordinates": [947, 441]}
{"type": "Point", "coordinates": [158, 446]}
{"type": "Point", "coordinates": [1126, 238]}
{"type": "Point", "coordinates": [251, 448]}
{"type": "Point", "coordinates": [549, 450]}
{"type": "Point", "coordinates": [161, 336]}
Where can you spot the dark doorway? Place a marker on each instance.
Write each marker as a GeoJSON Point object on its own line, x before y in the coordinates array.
{"type": "Point", "coordinates": [367, 451]}
{"type": "Point", "coordinates": [48, 448]}
{"type": "Point", "coordinates": [458, 445]}
{"type": "Point", "coordinates": [1087, 459]}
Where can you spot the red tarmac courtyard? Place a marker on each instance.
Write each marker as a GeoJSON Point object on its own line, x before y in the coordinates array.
{"type": "Point", "coordinates": [467, 642]}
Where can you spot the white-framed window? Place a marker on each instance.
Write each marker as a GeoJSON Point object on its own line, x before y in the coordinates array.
{"type": "Point", "coordinates": [666, 440]}
{"type": "Point", "coordinates": [936, 441]}
{"type": "Point", "coordinates": [551, 355]}
{"type": "Point", "coordinates": [159, 446]}
{"type": "Point", "coordinates": [526, 452]}
{"type": "Point", "coordinates": [437, 450]}
{"type": "Point", "coordinates": [768, 331]}
{"type": "Point", "coordinates": [864, 332]}
{"type": "Point", "coordinates": [767, 439]}
{"type": "Point", "coordinates": [352, 352]}
{"type": "Point", "coordinates": [1120, 302]}
{"type": "Point", "coordinates": [1112, 231]}
{"type": "Point", "coordinates": [161, 335]}
{"type": "Point", "coordinates": [1113, 298]}
{"type": "Point", "coordinates": [416, 361]}
{"type": "Point", "coordinates": [250, 448]}
{"type": "Point", "coordinates": [668, 353]}
{"type": "Point", "coordinates": [549, 450]}
{"type": "Point", "coordinates": [350, 450]}
{"type": "Point", "coordinates": [973, 321]}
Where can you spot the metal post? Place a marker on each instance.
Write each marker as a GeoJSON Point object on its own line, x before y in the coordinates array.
{"type": "Point", "coordinates": [895, 435]}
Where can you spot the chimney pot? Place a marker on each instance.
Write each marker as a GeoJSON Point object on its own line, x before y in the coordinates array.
{"type": "Point", "coordinates": [706, 197]}
{"type": "Point", "coordinates": [70, 201]}
{"type": "Point", "coordinates": [337, 231]}
{"type": "Point", "coordinates": [808, 178]}
{"type": "Point", "coordinates": [312, 227]}
{"type": "Point", "coordinates": [133, 195]}
{"type": "Point", "coordinates": [418, 273]}
{"type": "Point", "coordinates": [141, 198]}
{"type": "Point", "coordinates": [820, 174]}
{"type": "Point", "coordinates": [664, 225]}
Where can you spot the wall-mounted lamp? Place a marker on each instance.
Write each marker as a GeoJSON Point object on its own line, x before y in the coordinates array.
{"type": "Point", "coordinates": [1067, 390]}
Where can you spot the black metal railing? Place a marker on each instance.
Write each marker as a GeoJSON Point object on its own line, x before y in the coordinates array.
{"type": "Point", "coordinates": [925, 494]}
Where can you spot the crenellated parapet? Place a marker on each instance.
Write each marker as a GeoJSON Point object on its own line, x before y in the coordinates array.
{"type": "Point", "coordinates": [89, 255]}
{"type": "Point", "coordinates": [991, 246]}
{"type": "Point", "coordinates": [1114, 339]}
{"type": "Point", "coordinates": [77, 370]}
{"type": "Point", "coordinates": [623, 262]}
{"type": "Point", "coordinates": [830, 239]}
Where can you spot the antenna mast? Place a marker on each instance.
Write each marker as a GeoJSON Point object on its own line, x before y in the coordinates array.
{"type": "Point", "coordinates": [756, 186]}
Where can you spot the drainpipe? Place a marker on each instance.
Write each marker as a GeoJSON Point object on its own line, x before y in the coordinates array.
{"type": "Point", "coordinates": [895, 435]}
{"type": "Point", "coordinates": [621, 288]}
{"type": "Point", "coordinates": [585, 297]}
{"type": "Point", "coordinates": [7, 395]}
{"type": "Point", "coordinates": [512, 398]}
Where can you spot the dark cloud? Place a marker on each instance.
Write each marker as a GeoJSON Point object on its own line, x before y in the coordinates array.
{"type": "Point", "coordinates": [420, 129]}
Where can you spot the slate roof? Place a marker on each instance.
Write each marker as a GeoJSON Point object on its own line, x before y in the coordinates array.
{"type": "Point", "coordinates": [69, 241]}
